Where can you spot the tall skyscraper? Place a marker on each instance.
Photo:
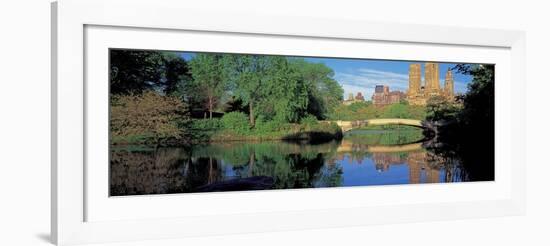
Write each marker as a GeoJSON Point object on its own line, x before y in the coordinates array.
{"type": "Point", "coordinates": [415, 79]}
{"type": "Point", "coordinates": [431, 75]}
{"type": "Point", "coordinates": [449, 85]}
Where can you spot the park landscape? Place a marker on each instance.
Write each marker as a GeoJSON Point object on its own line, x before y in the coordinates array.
{"type": "Point", "coordinates": [184, 122]}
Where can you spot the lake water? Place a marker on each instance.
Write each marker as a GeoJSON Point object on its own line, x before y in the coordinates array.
{"type": "Point", "coordinates": [362, 157]}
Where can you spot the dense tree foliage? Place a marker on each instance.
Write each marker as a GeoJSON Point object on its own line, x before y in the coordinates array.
{"type": "Point", "coordinates": [271, 91]}
{"type": "Point", "coordinates": [270, 86]}
{"type": "Point", "coordinates": [472, 133]}
{"type": "Point", "coordinates": [208, 80]}
{"type": "Point", "coordinates": [324, 92]}
{"type": "Point", "coordinates": [135, 71]}
{"type": "Point", "coordinates": [439, 108]}
{"type": "Point", "coordinates": [248, 75]}
{"type": "Point", "coordinates": [177, 74]}
{"type": "Point", "coordinates": [479, 102]}
{"type": "Point", "coordinates": [288, 94]}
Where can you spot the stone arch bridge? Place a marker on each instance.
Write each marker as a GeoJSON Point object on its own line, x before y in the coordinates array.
{"type": "Point", "coordinates": [350, 125]}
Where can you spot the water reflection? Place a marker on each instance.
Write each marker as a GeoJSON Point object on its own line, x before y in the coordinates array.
{"type": "Point", "coordinates": [354, 161]}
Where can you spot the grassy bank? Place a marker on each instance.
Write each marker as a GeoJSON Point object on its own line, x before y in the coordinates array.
{"type": "Point", "coordinates": [148, 140]}
{"type": "Point", "coordinates": [209, 131]}
{"type": "Point", "coordinates": [219, 130]}
{"type": "Point", "coordinates": [216, 130]}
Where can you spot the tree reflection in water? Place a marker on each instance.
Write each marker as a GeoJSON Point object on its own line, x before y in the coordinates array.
{"type": "Point", "coordinates": [288, 165]}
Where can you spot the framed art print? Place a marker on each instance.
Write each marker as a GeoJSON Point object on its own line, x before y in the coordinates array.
{"type": "Point", "coordinates": [180, 125]}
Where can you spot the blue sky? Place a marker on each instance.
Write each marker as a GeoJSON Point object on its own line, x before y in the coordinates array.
{"type": "Point", "coordinates": [362, 75]}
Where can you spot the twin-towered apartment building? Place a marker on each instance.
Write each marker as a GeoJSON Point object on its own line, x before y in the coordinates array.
{"type": "Point", "coordinates": [419, 94]}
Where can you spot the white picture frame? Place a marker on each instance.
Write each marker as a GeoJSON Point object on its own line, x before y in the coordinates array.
{"type": "Point", "coordinates": [81, 213]}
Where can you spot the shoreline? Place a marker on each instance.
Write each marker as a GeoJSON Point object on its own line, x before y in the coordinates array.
{"type": "Point", "coordinates": [311, 137]}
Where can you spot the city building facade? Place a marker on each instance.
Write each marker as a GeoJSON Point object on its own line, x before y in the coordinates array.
{"type": "Point", "coordinates": [383, 96]}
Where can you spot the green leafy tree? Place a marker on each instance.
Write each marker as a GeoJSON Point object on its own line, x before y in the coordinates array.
{"type": "Point", "coordinates": [439, 108]}
{"type": "Point", "coordinates": [248, 76]}
{"type": "Point", "coordinates": [324, 93]}
{"type": "Point", "coordinates": [479, 101]}
{"type": "Point", "coordinates": [208, 79]}
{"type": "Point", "coordinates": [286, 93]}
{"type": "Point", "coordinates": [268, 85]}
{"type": "Point", "coordinates": [177, 74]}
{"type": "Point", "coordinates": [134, 71]}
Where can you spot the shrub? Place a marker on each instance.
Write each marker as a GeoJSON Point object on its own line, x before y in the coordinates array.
{"type": "Point", "coordinates": [357, 106]}
{"type": "Point", "coordinates": [309, 120]}
{"type": "Point", "coordinates": [331, 128]}
{"type": "Point", "coordinates": [207, 124]}
{"type": "Point", "coordinates": [236, 121]}
{"type": "Point", "coordinates": [148, 115]}
{"type": "Point", "coordinates": [440, 109]}
{"type": "Point", "coordinates": [397, 110]}
{"type": "Point", "coordinates": [265, 126]}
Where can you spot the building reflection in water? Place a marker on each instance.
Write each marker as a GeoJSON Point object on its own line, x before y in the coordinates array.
{"type": "Point", "coordinates": [177, 170]}
{"type": "Point", "coordinates": [423, 166]}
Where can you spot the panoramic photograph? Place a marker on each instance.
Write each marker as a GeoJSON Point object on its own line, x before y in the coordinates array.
{"type": "Point", "coordinates": [193, 122]}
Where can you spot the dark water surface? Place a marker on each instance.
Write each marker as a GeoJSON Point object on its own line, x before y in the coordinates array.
{"type": "Point", "coordinates": [362, 157]}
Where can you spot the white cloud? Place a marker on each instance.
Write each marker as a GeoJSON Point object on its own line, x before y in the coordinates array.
{"type": "Point", "coordinates": [383, 74]}
{"type": "Point", "coordinates": [367, 92]}
{"type": "Point", "coordinates": [364, 80]}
